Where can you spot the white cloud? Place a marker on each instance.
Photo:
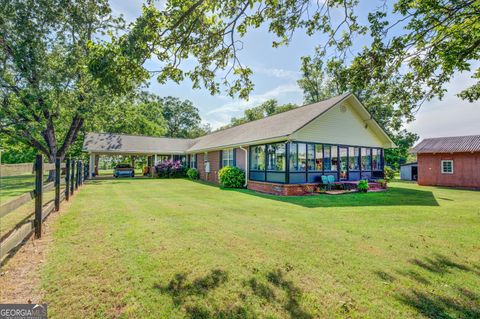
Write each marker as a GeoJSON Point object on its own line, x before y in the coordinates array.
{"type": "Point", "coordinates": [277, 73]}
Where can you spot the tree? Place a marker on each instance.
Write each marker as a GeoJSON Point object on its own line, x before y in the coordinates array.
{"type": "Point", "coordinates": [46, 90]}
{"type": "Point", "coordinates": [182, 118]}
{"type": "Point", "coordinates": [14, 152]}
{"type": "Point", "coordinates": [267, 108]}
{"type": "Point", "coordinates": [418, 44]}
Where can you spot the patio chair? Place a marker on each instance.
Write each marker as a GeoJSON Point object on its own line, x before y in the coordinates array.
{"type": "Point", "coordinates": [326, 183]}
{"type": "Point", "coordinates": [331, 179]}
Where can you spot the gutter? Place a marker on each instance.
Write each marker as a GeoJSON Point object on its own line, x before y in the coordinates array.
{"type": "Point", "coordinates": [246, 165]}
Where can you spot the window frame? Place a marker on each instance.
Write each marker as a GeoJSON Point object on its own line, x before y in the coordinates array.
{"type": "Point", "coordinates": [225, 160]}
{"type": "Point", "coordinates": [442, 167]}
{"type": "Point", "coordinates": [267, 147]}
{"type": "Point", "coordinates": [193, 160]}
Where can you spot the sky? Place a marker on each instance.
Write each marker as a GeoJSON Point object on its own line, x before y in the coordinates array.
{"type": "Point", "coordinates": [275, 75]}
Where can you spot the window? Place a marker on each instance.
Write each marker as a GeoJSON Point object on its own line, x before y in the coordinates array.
{"type": "Point", "coordinates": [298, 157]}
{"type": "Point", "coordinates": [227, 157]}
{"type": "Point", "coordinates": [193, 160]}
{"type": "Point", "coordinates": [447, 167]}
{"type": "Point", "coordinates": [302, 156]}
{"type": "Point", "coordinates": [311, 157]}
{"type": "Point", "coordinates": [205, 157]}
{"type": "Point", "coordinates": [354, 158]}
{"type": "Point", "coordinates": [257, 157]}
{"type": "Point", "coordinates": [318, 157]}
{"type": "Point", "coordinates": [377, 159]}
{"type": "Point", "coordinates": [276, 157]}
{"type": "Point", "coordinates": [366, 159]}
{"type": "Point", "coordinates": [330, 159]}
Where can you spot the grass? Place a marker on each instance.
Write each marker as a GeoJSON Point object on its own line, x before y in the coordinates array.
{"type": "Point", "coordinates": [150, 248]}
{"type": "Point", "coordinates": [10, 188]}
{"type": "Point", "coordinates": [14, 186]}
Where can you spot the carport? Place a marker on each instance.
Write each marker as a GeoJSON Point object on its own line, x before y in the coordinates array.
{"type": "Point", "coordinates": [154, 148]}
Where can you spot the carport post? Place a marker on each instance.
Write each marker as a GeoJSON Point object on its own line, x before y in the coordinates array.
{"type": "Point", "coordinates": [91, 165]}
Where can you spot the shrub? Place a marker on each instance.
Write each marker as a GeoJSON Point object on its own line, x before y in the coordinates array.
{"type": "Point", "coordinates": [170, 169]}
{"type": "Point", "coordinates": [192, 173]}
{"type": "Point", "coordinates": [388, 173]}
{"type": "Point", "coordinates": [231, 177]}
{"type": "Point", "coordinates": [382, 182]}
{"type": "Point", "coordinates": [362, 186]}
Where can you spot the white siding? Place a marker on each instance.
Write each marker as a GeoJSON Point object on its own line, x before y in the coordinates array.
{"type": "Point", "coordinates": [340, 125]}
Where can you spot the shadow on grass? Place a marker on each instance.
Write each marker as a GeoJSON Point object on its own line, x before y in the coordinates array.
{"type": "Point", "coordinates": [430, 301]}
{"type": "Point", "coordinates": [394, 196]}
{"type": "Point", "coordinates": [272, 288]}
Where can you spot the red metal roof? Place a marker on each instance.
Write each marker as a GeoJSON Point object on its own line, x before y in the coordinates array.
{"type": "Point", "coordinates": [453, 144]}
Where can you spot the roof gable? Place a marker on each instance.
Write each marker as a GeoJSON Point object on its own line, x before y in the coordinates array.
{"type": "Point", "coordinates": [346, 123]}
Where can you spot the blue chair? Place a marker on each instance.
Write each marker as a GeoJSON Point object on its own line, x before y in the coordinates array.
{"type": "Point", "coordinates": [326, 183]}
{"type": "Point", "coordinates": [331, 179]}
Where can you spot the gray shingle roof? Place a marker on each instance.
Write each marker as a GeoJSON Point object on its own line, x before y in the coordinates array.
{"type": "Point", "coordinates": [278, 126]}
{"type": "Point", "coordinates": [275, 126]}
{"type": "Point", "coordinates": [121, 143]}
{"type": "Point", "coordinates": [453, 144]}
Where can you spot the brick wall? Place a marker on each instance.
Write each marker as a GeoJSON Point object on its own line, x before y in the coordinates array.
{"type": "Point", "coordinates": [214, 159]}
{"type": "Point", "coordinates": [281, 189]}
{"type": "Point", "coordinates": [466, 170]}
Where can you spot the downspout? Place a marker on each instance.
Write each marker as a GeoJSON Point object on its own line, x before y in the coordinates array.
{"type": "Point", "coordinates": [246, 165]}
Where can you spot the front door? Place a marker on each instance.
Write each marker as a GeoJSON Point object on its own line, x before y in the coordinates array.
{"type": "Point", "coordinates": [343, 163]}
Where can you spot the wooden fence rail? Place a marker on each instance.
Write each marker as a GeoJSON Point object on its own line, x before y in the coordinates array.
{"type": "Point", "coordinates": [73, 180]}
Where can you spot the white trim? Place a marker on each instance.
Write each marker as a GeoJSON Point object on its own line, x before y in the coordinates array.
{"type": "Point", "coordinates": [441, 166]}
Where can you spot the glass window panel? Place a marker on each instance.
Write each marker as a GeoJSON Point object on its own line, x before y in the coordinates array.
{"type": "Point", "coordinates": [257, 156]}
{"type": "Point", "coordinates": [376, 159]}
{"type": "Point", "coordinates": [227, 157]}
{"type": "Point", "coordinates": [276, 157]}
{"type": "Point", "coordinates": [327, 160]}
{"type": "Point", "coordinates": [311, 156]}
{"type": "Point", "coordinates": [293, 157]}
{"type": "Point", "coordinates": [343, 162]}
{"type": "Point", "coordinates": [447, 166]}
{"type": "Point", "coordinates": [366, 159]}
{"type": "Point", "coordinates": [318, 157]}
{"type": "Point", "coordinates": [302, 157]}
{"type": "Point", "coordinates": [334, 157]}
{"type": "Point", "coordinates": [353, 158]}
{"type": "Point", "coordinates": [193, 160]}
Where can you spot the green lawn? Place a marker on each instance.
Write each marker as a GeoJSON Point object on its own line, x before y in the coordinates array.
{"type": "Point", "coordinates": [150, 248]}
{"type": "Point", "coordinates": [13, 186]}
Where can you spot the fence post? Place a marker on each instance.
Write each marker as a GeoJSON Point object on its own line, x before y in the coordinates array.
{"type": "Point", "coordinates": [38, 195]}
{"type": "Point", "coordinates": [72, 178]}
{"type": "Point", "coordinates": [76, 175]}
{"type": "Point", "coordinates": [67, 179]}
{"type": "Point", "coordinates": [58, 172]}
{"type": "Point", "coordinates": [80, 174]}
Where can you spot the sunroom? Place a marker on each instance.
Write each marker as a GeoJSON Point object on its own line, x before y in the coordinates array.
{"type": "Point", "coordinates": [300, 162]}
